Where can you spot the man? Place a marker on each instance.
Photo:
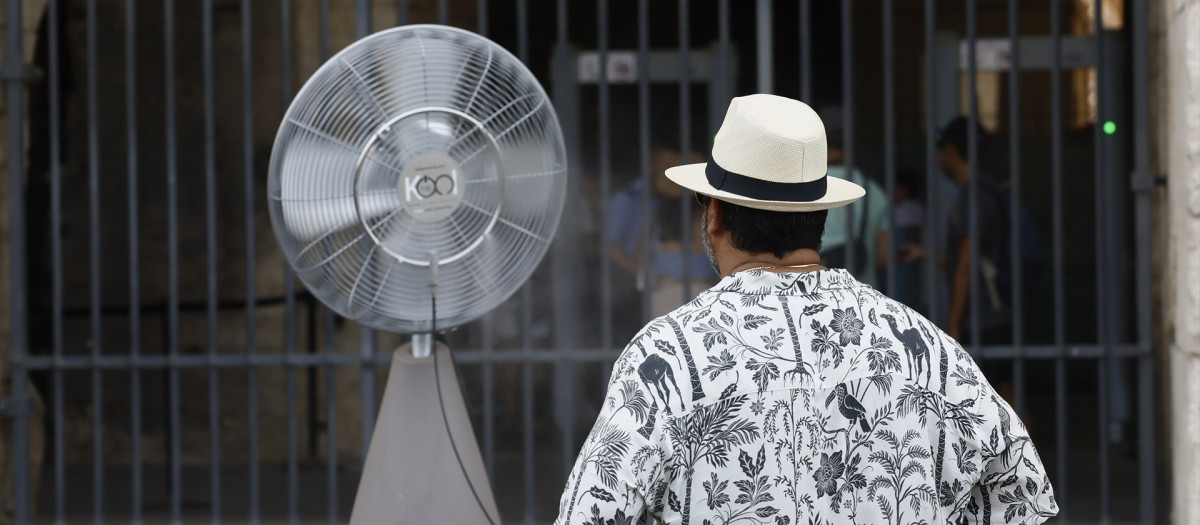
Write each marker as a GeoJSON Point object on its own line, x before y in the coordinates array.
{"type": "Point", "coordinates": [790, 393]}
{"type": "Point", "coordinates": [991, 237]}
{"type": "Point", "coordinates": [868, 218]}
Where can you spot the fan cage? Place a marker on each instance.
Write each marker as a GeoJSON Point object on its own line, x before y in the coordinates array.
{"type": "Point", "coordinates": [415, 144]}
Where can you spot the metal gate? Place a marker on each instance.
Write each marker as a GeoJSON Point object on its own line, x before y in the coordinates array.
{"type": "Point", "coordinates": [184, 377]}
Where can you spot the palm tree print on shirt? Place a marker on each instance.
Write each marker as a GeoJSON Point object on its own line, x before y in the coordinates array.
{"type": "Point", "coordinates": [813, 399]}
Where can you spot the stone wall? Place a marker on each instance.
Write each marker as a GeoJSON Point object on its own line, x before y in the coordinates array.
{"type": "Point", "coordinates": [1175, 125]}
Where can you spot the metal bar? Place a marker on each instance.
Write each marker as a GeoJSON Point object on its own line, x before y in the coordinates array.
{"type": "Point", "coordinates": [443, 12]}
{"type": "Point", "coordinates": [606, 316]}
{"type": "Point", "coordinates": [481, 9]}
{"type": "Point", "coordinates": [931, 178]}
{"type": "Point", "coordinates": [135, 320]}
{"type": "Point", "coordinates": [18, 313]}
{"type": "Point", "coordinates": [527, 436]}
{"type": "Point", "coordinates": [564, 316]}
{"type": "Point", "coordinates": [1142, 224]}
{"type": "Point", "coordinates": [1146, 422]}
{"type": "Point", "coordinates": [523, 30]}
{"type": "Point", "coordinates": [1014, 211]}
{"type": "Point", "coordinates": [331, 426]}
{"type": "Point", "coordinates": [172, 336]}
{"type": "Point", "coordinates": [362, 17]}
{"type": "Point", "coordinates": [685, 145]}
{"type": "Point", "coordinates": [97, 336]}
{"type": "Point", "coordinates": [56, 249]}
{"type": "Point", "coordinates": [475, 355]}
{"type": "Point", "coordinates": [973, 287]}
{"type": "Point", "coordinates": [401, 12]}
{"type": "Point", "coordinates": [763, 29]}
{"type": "Point", "coordinates": [1060, 365]}
{"type": "Point", "coordinates": [289, 287]}
{"type": "Point", "coordinates": [561, 22]}
{"type": "Point", "coordinates": [889, 141]}
{"type": "Point", "coordinates": [643, 108]}
{"type": "Point", "coordinates": [488, 343]}
{"type": "Point", "coordinates": [367, 337]}
{"type": "Point", "coordinates": [312, 377]}
{"type": "Point", "coordinates": [806, 51]}
{"type": "Point", "coordinates": [210, 208]}
{"type": "Point", "coordinates": [489, 405]}
{"type": "Point", "coordinates": [848, 127]}
{"type": "Point", "coordinates": [251, 268]}
{"type": "Point", "coordinates": [329, 343]}
{"type": "Point", "coordinates": [724, 48]}
{"type": "Point", "coordinates": [1102, 265]}
{"type": "Point", "coordinates": [323, 30]}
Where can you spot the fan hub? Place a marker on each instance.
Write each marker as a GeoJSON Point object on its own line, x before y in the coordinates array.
{"type": "Point", "coordinates": [431, 187]}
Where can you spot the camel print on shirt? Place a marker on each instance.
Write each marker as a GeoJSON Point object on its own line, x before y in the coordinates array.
{"type": "Point", "coordinates": [802, 398]}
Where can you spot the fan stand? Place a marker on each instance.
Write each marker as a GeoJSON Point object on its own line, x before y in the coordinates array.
{"type": "Point", "coordinates": [411, 474]}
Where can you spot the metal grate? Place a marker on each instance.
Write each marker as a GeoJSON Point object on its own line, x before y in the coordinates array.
{"type": "Point", "coordinates": [134, 351]}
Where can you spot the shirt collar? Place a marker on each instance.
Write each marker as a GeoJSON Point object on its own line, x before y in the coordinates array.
{"type": "Point", "coordinates": [759, 282]}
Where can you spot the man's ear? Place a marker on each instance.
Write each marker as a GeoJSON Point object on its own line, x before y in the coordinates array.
{"type": "Point", "coordinates": [716, 218]}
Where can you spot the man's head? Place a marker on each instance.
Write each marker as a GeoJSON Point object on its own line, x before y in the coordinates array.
{"type": "Point", "coordinates": [952, 148]}
{"type": "Point", "coordinates": [732, 232]}
{"type": "Point", "coordinates": [766, 185]}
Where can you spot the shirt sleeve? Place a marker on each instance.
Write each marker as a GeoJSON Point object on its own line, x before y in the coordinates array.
{"type": "Point", "coordinates": [1013, 487]}
{"type": "Point", "coordinates": [618, 475]}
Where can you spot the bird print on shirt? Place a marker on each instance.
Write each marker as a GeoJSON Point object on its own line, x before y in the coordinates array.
{"type": "Point", "coordinates": [849, 407]}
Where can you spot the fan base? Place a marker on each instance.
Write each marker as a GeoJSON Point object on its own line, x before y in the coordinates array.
{"type": "Point", "coordinates": [411, 474]}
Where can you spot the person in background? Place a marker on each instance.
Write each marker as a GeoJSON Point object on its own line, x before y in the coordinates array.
{"type": "Point", "coordinates": [670, 253]}
{"type": "Point", "coordinates": [991, 237]}
{"type": "Point", "coordinates": [626, 221]}
{"type": "Point", "coordinates": [666, 254]}
{"type": "Point", "coordinates": [868, 217]}
{"type": "Point", "coordinates": [908, 226]}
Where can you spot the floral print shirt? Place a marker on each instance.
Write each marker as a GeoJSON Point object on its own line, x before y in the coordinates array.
{"type": "Point", "coordinates": [781, 399]}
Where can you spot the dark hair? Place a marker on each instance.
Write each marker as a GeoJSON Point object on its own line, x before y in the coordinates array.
{"type": "Point", "coordinates": [775, 232]}
{"type": "Point", "coordinates": [908, 177]}
{"type": "Point", "coordinates": [957, 133]}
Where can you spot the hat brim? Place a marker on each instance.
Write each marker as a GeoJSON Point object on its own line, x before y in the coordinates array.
{"type": "Point", "coordinates": [839, 192]}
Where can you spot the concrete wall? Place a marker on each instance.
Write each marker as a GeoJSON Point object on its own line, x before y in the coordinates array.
{"type": "Point", "coordinates": [1175, 124]}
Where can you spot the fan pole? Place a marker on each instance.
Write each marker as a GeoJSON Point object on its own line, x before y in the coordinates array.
{"type": "Point", "coordinates": [411, 473]}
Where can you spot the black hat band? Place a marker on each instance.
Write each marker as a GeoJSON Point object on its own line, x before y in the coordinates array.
{"type": "Point", "coordinates": [725, 180]}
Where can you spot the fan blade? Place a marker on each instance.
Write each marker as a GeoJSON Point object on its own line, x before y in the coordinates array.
{"type": "Point", "coordinates": [312, 219]}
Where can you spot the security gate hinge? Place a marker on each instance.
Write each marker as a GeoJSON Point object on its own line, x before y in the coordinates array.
{"type": "Point", "coordinates": [1141, 182]}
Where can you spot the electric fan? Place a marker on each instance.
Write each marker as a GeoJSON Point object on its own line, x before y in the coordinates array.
{"type": "Point", "coordinates": [415, 183]}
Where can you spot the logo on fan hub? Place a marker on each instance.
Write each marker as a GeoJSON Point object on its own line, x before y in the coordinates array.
{"type": "Point", "coordinates": [430, 187]}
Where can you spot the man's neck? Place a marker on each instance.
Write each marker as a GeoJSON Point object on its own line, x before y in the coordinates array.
{"type": "Point", "coordinates": [795, 261]}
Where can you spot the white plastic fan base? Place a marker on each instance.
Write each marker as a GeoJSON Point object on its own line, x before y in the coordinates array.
{"type": "Point", "coordinates": [411, 475]}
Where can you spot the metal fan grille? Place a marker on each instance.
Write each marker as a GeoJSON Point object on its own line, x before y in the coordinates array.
{"type": "Point", "coordinates": [416, 144]}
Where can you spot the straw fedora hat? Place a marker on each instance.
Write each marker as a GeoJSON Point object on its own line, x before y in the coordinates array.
{"type": "Point", "coordinates": [770, 154]}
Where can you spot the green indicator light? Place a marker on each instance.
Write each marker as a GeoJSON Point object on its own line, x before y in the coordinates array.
{"type": "Point", "coordinates": [1110, 127]}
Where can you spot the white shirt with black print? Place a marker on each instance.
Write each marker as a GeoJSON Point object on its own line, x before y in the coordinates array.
{"type": "Point", "coordinates": [802, 398]}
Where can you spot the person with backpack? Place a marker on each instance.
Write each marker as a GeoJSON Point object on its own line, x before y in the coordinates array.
{"type": "Point", "coordinates": [993, 236]}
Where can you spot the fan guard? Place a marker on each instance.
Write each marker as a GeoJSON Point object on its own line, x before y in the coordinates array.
{"type": "Point", "coordinates": [417, 145]}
